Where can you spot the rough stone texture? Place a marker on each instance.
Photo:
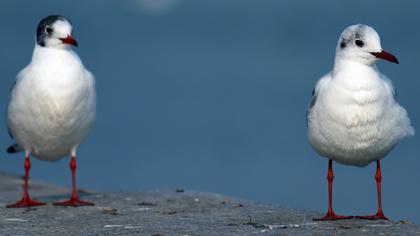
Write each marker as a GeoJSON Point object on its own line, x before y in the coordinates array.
{"type": "Point", "coordinates": [170, 212]}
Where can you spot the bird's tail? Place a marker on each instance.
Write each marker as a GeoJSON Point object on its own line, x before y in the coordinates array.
{"type": "Point", "coordinates": [14, 148]}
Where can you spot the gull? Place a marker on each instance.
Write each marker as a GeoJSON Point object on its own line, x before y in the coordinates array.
{"type": "Point", "coordinates": [52, 104]}
{"type": "Point", "coordinates": [353, 117]}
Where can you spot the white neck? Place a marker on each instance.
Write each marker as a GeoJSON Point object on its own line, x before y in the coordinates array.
{"type": "Point", "coordinates": [343, 64]}
{"type": "Point", "coordinates": [42, 54]}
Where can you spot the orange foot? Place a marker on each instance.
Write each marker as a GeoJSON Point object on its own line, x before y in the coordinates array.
{"type": "Point", "coordinates": [378, 216]}
{"type": "Point", "coordinates": [26, 201]}
{"type": "Point", "coordinates": [331, 216]}
{"type": "Point", "coordinates": [74, 202]}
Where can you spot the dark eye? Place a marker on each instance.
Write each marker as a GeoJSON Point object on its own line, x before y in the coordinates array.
{"type": "Point", "coordinates": [359, 43]}
{"type": "Point", "coordinates": [48, 29]}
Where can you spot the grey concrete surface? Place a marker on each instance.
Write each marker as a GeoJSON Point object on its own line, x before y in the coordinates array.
{"type": "Point", "coordinates": [169, 212]}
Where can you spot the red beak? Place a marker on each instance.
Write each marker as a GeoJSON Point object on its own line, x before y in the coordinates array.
{"type": "Point", "coordinates": [69, 40]}
{"type": "Point", "coordinates": [386, 56]}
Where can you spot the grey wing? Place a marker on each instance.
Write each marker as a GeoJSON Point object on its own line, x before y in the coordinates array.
{"type": "Point", "coordinates": [10, 92]}
{"type": "Point", "coordinates": [12, 88]}
{"type": "Point", "coordinates": [389, 85]}
{"type": "Point", "coordinates": [91, 78]}
{"type": "Point", "coordinates": [10, 133]}
{"type": "Point", "coordinates": [313, 100]}
{"type": "Point", "coordinates": [322, 82]}
{"type": "Point", "coordinates": [14, 147]}
{"type": "Point", "coordinates": [311, 105]}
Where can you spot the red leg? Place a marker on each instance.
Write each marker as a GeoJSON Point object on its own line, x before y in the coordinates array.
{"type": "Point", "coordinates": [74, 200]}
{"type": "Point", "coordinates": [330, 214]}
{"type": "Point", "coordinates": [26, 201]}
{"type": "Point", "coordinates": [380, 214]}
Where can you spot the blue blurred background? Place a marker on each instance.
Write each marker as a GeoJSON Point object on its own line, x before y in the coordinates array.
{"type": "Point", "coordinates": [212, 96]}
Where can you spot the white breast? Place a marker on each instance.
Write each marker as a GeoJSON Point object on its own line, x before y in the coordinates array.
{"type": "Point", "coordinates": [355, 119]}
{"type": "Point", "coordinates": [53, 104]}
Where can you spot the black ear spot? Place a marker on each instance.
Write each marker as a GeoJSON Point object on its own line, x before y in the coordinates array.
{"type": "Point", "coordinates": [48, 29]}
{"type": "Point", "coordinates": [359, 43]}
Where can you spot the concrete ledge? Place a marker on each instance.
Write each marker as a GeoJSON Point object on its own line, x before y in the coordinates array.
{"type": "Point", "coordinates": [170, 212]}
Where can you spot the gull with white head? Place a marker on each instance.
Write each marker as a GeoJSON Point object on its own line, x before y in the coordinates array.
{"type": "Point", "coordinates": [52, 104]}
{"type": "Point", "coordinates": [353, 117]}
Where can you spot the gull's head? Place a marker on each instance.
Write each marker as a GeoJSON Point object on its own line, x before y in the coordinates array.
{"type": "Point", "coordinates": [55, 32]}
{"type": "Point", "coordinates": [361, 43]}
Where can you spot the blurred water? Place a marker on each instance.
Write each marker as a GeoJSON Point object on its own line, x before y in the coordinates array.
{"type": "Point", "coordinates": [212, 96]}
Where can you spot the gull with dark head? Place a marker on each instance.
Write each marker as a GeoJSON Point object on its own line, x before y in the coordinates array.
{"type": "Point", "coordinates": [353, 117]}
{"type": "Point", "coordinates": [52, 104]}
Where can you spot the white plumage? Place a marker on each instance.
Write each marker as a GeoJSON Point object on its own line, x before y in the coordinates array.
{"type": "Point", "coordinates": [52, 106]}
{"type": "Point", "coordinates": [353, 118]}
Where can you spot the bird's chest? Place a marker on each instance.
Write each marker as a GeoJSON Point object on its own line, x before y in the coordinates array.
{"type": "Point", "coordinates": [55, 100]}
{"type": "Point", "coordinates": [354, 112]}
